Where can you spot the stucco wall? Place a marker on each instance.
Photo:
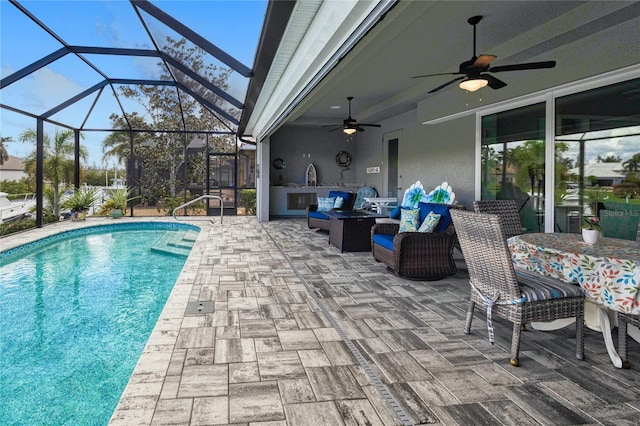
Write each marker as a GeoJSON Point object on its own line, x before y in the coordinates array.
{"type": "Point", "coordinates": [291, 143]}
{"type": "Point", "coordinates": [429, 153]}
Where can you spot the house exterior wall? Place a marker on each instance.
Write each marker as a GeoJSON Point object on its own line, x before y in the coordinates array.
{"type": "Point", "coordinates": [6, 175]}
{"type": "Point", "coordinates": [12, 169]}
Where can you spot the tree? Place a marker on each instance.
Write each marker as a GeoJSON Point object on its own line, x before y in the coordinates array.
{"type": "Point", "coordinates": [4, 154]}
{"type": "Point", "coordinates": [161, 153]}
{"type": "Point", "coordinates": [632, 165]}
{"type": "Point", "coordinates": [58, 160]}
{"type": "Point", "coordinates": [117, 145]}
{"type": "Point", "coordinates": [609, 159]}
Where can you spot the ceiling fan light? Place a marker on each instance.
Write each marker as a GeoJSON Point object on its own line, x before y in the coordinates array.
{"type": "Point", "coordinates": [349, 130]}
{"type": "Point", "coordinates": [473, 84]}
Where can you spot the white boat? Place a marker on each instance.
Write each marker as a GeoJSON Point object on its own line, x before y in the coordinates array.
{"type": "Point", "coordinates": [15, 209]}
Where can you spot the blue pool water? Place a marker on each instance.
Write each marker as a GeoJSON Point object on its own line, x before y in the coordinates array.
{"type": "Point", "coordinates": [75, 314]}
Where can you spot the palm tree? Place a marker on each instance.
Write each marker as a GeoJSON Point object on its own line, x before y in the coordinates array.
{"type": "Point", "coordinates": [58, 159]}
{"type": "Point", "coordinates": [4, 154]}
{"type": "Point", "coordinates": [633, 164]}
{"type": "Point", "coordinates": [117, 145]}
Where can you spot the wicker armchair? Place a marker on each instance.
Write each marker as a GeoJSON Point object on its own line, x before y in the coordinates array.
{"type": "Point", "coordinates": [518, 297]}
{"type": "Point", "coordinates": [506, 209]}
{"type": "Point", "coordinates": [416, 255]}
{"type": "Point", "coordinates": [623, 321]}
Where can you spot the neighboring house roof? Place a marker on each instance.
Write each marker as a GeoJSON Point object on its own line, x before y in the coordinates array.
{"type": "Point", "coordinates": [602, 170]}
{"type": "Point", "coordinates": [13, 163]}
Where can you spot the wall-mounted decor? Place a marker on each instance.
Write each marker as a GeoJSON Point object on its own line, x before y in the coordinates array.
{"type": "Point", "coordinates": [311, 178]}
{"type": "Point", "coordinates": [343, 159]}
{"type": "Point", "coordinates": [279, 164]}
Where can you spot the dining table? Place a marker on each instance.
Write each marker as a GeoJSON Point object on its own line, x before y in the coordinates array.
{"type": "Point", "coordinates": [607, 271]}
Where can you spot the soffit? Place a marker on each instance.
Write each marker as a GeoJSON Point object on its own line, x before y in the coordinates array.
{"type": "Point", "coordinates": [585, 38]}
{"type": "Point", "coordinates": [315, 32]}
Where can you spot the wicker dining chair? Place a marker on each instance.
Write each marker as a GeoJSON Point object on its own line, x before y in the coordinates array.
{"type": "Point", "coordinates": [624, 320]}
{"type": "Point", "coordinates": [506, 209]}
{"type": "Point", "coordinates": [516, 296]}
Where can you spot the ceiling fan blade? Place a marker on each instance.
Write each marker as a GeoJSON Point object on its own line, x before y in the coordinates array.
{"type": "Point", "coordinates": [483, 61]}
{"type": "Point", "coordinates": [332, 125]}
{"type": "Point", "coordinates": [360, 129]}
{"type": "Point", "coordinates": [493, 82]}
{"type": "Point", "coordinates": [369, 125]}
{"type": "Point", "coordinates": [446, 84]}
{"type": "Point", "coordinates": [525, 66]}
{"type": "Point", "coordinates": [433, 75]}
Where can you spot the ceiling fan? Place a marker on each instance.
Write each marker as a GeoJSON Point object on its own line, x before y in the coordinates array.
{"type": "Point", "coordinates": [474, 71]}
{"type": "Point", "coordinates": [350, 125]}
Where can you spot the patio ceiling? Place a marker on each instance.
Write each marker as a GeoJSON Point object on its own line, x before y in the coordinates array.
{"type": "Point", "coordinates": [50, 53]}
{"type": "Point", "coordinates": [585, 38]}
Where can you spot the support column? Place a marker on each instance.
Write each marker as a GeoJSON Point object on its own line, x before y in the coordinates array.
{"type": "Point", "coordinates": [39, 171]}
{"type": "Point", "coordinates": [263, 153]}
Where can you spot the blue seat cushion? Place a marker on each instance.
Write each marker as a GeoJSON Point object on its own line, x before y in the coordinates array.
{"type": "Point", "coordinates": [346, 196]}
{"type": "Point", "coordinates": [441, 209]}
{"type": "Point", "coordinates": [537, 287]}
{"type": "Point", "coordinates": [384, 240]}
{"type": "Point", "coordinates": [318, 215]}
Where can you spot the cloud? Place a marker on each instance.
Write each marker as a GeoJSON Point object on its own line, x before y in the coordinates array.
{"type": "Point", "coordinates": [40, 91]}
{"type": "Point", "coordinates": [618, 144]}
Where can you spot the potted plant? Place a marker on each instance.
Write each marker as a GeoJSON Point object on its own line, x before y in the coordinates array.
{"type": "Point", "coordinates": [116, 205]}
{"type": "Point", "coordinates": [80, 202]}
{"type": "Point", "coordinates": [591, 229]}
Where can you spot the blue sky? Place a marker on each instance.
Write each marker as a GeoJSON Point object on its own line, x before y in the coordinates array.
{"type": "Point", "coordinates": [233, 25]}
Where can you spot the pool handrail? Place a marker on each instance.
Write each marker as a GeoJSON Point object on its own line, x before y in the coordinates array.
{"type": "Point", "coordinates": [217, 197]}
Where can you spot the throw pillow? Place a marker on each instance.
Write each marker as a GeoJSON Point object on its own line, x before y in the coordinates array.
{"type": "Point", "coordinates": [442, 209]}
{"type": "Point", "coordinates": [347, 196]}
{"type": "Point", "coordinates": [325, 203]}
{"type": "Point", "coordinates": [430, 222]}
{"type": "Point", "coordinates": [338, 203]}
{"type": "Point", "coordinates": [409, 220]}
{"type": "Point", "coordinates": [395, 213]}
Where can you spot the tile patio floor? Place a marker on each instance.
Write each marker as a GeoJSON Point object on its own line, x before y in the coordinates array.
{"type": "Point", "coordinates": [302, 334]}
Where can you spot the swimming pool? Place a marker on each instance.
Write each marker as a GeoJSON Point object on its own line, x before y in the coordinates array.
{"type": "Point", "coordinates": [76, 310]}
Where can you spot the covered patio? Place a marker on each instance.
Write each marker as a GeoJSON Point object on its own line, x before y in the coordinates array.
{"type": "Point", "coordinates": [303, 334]}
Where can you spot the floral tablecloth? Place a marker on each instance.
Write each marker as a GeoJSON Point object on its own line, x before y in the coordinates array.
{"type": "Point", "coordinates": [608, 271]}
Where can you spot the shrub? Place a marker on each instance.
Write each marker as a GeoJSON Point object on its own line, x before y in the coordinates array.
{"type": "Point", "coordinates": [626, 189]}
{"type": "Point", "coordinates": [81, 200]}
{"type": "Point", "coordinates": [14, 226]}
{"type": "Point", "coordinates": [248, 199]}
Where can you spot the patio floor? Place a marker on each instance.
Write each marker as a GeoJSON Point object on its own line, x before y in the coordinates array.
{"type": "Point", "coordinates": [302, 334]}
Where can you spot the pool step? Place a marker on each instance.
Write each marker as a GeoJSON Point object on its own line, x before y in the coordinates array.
{"type": "Point", "coordinates": [175, 243]}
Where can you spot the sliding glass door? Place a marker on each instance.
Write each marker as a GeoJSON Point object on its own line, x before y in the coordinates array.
{"type": "Point", "coordinates": [513, 161]}
{"type": "Point", "coordinates": [595, 151]}
{"type": "Point", "coordinates": [597, 137]}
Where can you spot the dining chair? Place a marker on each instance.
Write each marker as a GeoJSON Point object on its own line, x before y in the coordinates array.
{"type": "Point", "coordinates": [625, 319]}
{"type": "Point", "coordinates": [506, 209]}
{"type": "Point", "coordinates": [516, 296]}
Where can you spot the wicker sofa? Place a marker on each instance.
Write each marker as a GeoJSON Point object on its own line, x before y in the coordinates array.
{"type": "Point", "coordinates": [320, 220]}
{"type": "Point", "coordinates": [417, 255]}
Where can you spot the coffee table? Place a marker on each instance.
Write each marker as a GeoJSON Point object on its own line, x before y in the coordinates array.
{"type": "Point", "coordinates": [350, 230]}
